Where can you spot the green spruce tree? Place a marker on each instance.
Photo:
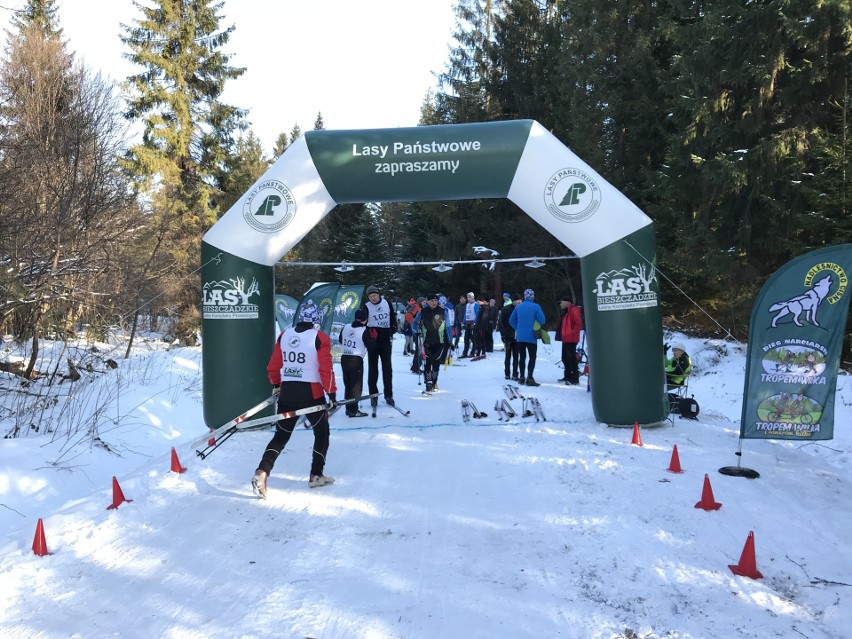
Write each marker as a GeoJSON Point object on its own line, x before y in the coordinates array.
{"type": "Point", "coordinates": [188, 131]}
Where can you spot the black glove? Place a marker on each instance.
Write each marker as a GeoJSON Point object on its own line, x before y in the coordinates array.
{"type": "Point", "coordinates": [665, 347]}
{"type": "Point", "coordinates": [332, 397]}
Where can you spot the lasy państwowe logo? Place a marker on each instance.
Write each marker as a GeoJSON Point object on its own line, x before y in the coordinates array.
{"type": "Point", "coordinates": [269, 206]}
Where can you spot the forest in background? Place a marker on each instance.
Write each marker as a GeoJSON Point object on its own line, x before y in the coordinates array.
{"type": "Point", "coordinates": [726, 122]}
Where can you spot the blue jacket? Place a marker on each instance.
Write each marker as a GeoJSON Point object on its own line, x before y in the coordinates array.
{"type": "Point", "coordinates": [523, 318]}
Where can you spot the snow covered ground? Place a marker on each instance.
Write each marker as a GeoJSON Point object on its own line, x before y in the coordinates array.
{"type": "Point", "coordinates": [435, 528]}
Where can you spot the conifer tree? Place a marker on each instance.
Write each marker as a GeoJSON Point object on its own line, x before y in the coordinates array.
{"type": "Point", "coordinates": [42, 14]}
{"type": "Point", "coordinates": [188, 132]}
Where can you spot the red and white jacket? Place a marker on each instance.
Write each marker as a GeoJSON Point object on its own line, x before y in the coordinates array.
{"type": "Point", "coordinates": [302, 354]}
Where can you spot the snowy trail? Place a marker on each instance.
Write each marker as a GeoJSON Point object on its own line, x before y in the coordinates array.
{"type": "Point", "coordinates": [439, 529]}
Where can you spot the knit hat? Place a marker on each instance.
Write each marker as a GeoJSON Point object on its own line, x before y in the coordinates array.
{"type": "Point", "coordinates": [361, 315]}
{"type": "Point", "coordinates": [442, 300]}
{"type": "Point", "coordinates": [679, 347]}
{"type": "Point", "coordinates": [529, 294]}
{"type": "Point", "coordinates": [471, 295]}
{"type": "Point", "coordinates": [506, 296]}
{"type": "Point", "coordinates": [372, 289]}
{"type": "Point", "coordinates": [309, 313]}
{"type": "Point", "coordinates": [432, 296]}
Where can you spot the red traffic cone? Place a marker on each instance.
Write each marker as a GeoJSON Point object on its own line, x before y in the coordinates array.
{"type": "Point", "coordinates": [39, 542]}
{"type": "Point", "coordinates": [748, 565]}
{"type": "Point", "coordinates": [117, 495]}
{"type": "Point", "coordinates": [176, 467]}
{"type": "Point", "coordinates": [674, 464]}
{"type": "Point", "coordinates": [637, 438]}
{"type": "Point", "coordinates": [708, 502]}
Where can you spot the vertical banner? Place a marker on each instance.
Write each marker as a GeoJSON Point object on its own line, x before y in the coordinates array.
{"type": "Point", "coordinates": [624, 331]}
{"type": "Point", "coordinates": [285, 311]}
{"type": "Point", "coordinates": [349, 299]}
{"type": "Point", "coordinates": [323, 296]}
{"type": "Point", "coordinates": [236, 309]}
{"type": "Point", "coordinates": [794, 346]}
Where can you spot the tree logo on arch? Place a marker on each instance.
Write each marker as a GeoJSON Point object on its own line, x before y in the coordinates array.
{"type": "Point", "coordinates": [269, 206]}
{"type": "Point", "coordinates": [572, 195]}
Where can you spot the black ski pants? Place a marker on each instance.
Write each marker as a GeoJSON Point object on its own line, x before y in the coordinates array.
{"type": "Point", "coordinates": [380, 352]}
{"type": "Point", "coordinates": [569, 360]}
{"type": "Point", "coordinates": [524, 349]}
{"type": "Point", "coordinates": [293, 396]}
{"type": "Point", "coordinates": [353, 379]}
{"type": "Point", "coordinates": [511, 348]}
{"type": "Point", "coordinates": [433, 363]}
{"type": "Point", "coordinates": [469, 337]}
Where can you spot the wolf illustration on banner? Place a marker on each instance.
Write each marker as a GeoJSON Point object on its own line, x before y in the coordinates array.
{"type": "Point", "coordinates": [807, 303]}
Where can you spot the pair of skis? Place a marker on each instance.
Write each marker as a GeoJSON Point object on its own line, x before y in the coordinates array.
{"type": "Point", "coordinates": [220, 435]}
{"type": "Point", "coordinates": [513, 392]}
{"type": "Point", "coordinates": [405, 413]}
{"type": "Point", "coordinates": [532, 408]}
{"type": "Point", "coordinates": [531, 405]}
{"type": "Point", "coordinates": [468, 407]}
{"type": "Point", "coordinates": [504, 409]}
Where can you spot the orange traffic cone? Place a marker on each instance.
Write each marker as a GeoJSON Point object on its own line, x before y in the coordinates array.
{"type": "Point", "coordinates": [117, 495]}
{"type": "Point", "coordinates": [674, 464]}
{"type": "Point", "coordinates": [748, 565]}
{"type": "Point", "coordinates": [39, 542]}
{"type": "Point", "coordinates": [637, 438]}
{"type": "Point", "coordinates": [708, 502]}
{"type": "Point", "coordinates": [176, 467]}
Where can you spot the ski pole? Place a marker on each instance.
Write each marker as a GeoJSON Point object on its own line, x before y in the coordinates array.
{"type": "Point", "coordinates": [241, 418]}
{"type": "Point", "coordinates": [225, 432]}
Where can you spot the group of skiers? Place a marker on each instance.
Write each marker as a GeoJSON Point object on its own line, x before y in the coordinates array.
{"type": "Point", "coordinates": [301, 370]}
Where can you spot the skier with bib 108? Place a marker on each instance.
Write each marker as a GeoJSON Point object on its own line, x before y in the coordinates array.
{"type": "Point", "coordinates": [301, 367]}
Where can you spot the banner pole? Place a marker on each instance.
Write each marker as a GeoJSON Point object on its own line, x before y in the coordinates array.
{"type": "Point", "coordinates": [738, 471]}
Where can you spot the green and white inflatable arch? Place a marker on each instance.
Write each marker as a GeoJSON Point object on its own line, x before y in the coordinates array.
{"type": "Point", "coordinates": [519, 160]}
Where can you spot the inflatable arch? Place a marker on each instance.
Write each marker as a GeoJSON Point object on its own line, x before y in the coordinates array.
{"type": "Point", "coordinates": [519, 160]}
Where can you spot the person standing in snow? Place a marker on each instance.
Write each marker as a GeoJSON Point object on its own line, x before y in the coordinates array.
{"type": "Point", "coordinates": [469, 313]}
{"type": "Point", "coordinates": [410, 312]}
{"type": "Point", "coordinates": [493, 314]}
{"type": "Point", "coordinates": [458, 323]}
{"type": "Point", "coordinates": [568, 332]}
{"type": "Point", "coordinates": [300, 367]}
{"type": "Point", "coordinates": [380, 330]}
{"type": "Point", "coordinates": [447, 305]}
{"type": "Point", "coordinates": [352, 360]}
{"type": "Point", "coordinates": [432, 323]}
{"type": "Point", "coordinates": [522, 319]}
{"type": "Point", "coordinates": [507, 333]}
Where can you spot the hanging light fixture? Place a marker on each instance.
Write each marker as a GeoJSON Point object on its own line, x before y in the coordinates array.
{"type": "Point", "coordinates": [344, 267]}
{"type": "Point", "coordinates": [442, 268]}
{"type": "Point", "coordinates": [536, 263]}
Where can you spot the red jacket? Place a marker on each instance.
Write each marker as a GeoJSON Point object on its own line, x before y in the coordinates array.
{"type": "Point", "coordinates": [328, 384]}
{"type": "Point", "coordinates": [570, 325]}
